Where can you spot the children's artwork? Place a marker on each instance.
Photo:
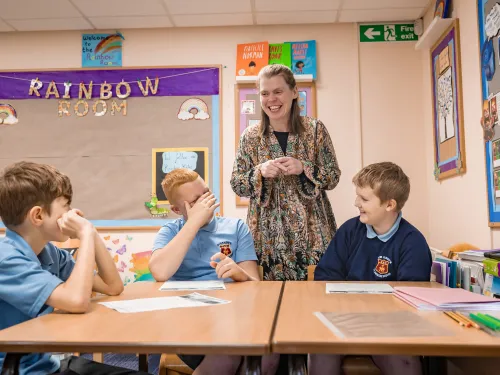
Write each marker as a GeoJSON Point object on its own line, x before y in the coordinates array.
{"type": "Point", "coordinates": [253, 122]}
{"type": "Point", "coordinates": [193, 108]}
{"type": "Point", "coordinates": [102, 50]}
{"type": "Point", "coordinates": [496, 153]}
{"type": "Point", "coordinates": [489, 26]}
{"type": "Point", "coordinates": [248, 93]}
{"type": "Point", "coordinates": [441, 9]}
{"type": "Point", "coordinates": [494, 110]}
{"type": "Point", "coordinates": [496, 177]}
{"type": "Point", "coordinates": [449, 143]}
{"type": "Point", "coordinates": [153, 208]}
{"type": "Point", "coordinates": [487, 122]}
{"type": "Point", "coordinates": [248, 107]}
{"type": "Point", "coordinates": [122, 250]}
{"type": "Point", "coordinates": [280, 53]}
{"type": "Point", "coordinates": [122, 266]}
{"type": "Point", "coordinates": [488, 59]}
{"type": "Point", "coordinates": [303, 103]}
{"type": "Point", "coordinates": [8, 115]}
{"type": "Point", "coordinates": [304, 57]}
{"type": "Point", "coordinates": [251, 58]}
{"type": "Point", "coordinates": [140, 266]}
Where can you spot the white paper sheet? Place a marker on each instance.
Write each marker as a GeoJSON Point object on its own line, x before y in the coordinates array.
{"type": "Point", "coordinates": [372, 288]}
{"type": "Point", "coordinates": [193, 285]}
{"type": "Point", "coordinates": [163, 303]}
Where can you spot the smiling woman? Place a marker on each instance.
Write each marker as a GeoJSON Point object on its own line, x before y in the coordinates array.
{"type": "Point", "coordinates": [284, 164]}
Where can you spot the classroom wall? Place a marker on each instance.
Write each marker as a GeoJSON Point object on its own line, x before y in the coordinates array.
{"type": "Point", "coordinates": [457, 207]}
{"type": "Point", "coordinates": [391, 117]}
{"type": "Point", "coordinates": [359, 94]}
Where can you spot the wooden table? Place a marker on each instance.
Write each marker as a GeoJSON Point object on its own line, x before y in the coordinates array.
{"type": "Point", "coordinates": [299, 331]}
{"type": "Point", "coordinates": [242, 327]}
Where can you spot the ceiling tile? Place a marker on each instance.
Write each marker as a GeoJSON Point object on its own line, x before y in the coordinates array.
{"type": "Point", "coordinates": [24, 9]}
{"type": "Point", "coordinates": [51, 24]}
{"type": "Point", "coordinates": [294, 5]}
{"type": "Point", "coordinates": [381, 15]}
{"type": "Point", "coordinates": [5, 27]}
{"type": "Point", "coordinates": [130, 22]}
{"type": "Point", "coordinates": [290, 18]}
{"type": "Point", "coordinates": [384, 4]}
{"type": "Point", "coordinates": [116, 8]}
{"type": "Point", "coordinates": [201, 20]}
{"type": "Point", "coordinates": [208, 6]}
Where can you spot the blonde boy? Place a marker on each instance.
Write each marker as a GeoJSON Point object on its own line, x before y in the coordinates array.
{"type": "Point", "coordinates": [377, 245]}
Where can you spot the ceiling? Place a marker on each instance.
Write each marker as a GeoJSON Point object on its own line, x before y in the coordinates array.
{"type": "Point", "coordinates": [43, 15]}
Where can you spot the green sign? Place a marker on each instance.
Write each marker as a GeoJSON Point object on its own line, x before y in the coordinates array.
{"type": "Point", "coordinates": [387, 33]}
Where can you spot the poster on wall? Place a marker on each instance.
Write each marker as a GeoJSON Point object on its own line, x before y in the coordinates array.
{"type": "Point", "coordinates": [448, 123]}
{"type": "Point", "coordinates": [102, 50]}
{"type": "Point", "coordinates": [489, 27]}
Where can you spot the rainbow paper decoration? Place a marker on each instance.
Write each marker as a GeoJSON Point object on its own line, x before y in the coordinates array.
{"type": "Point", "coordinates": [193, 103]}
{"type": "Point", "coordinates": [8, 115]}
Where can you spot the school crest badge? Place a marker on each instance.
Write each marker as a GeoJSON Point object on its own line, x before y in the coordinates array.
{"type": "Point", "coordinates": [225, 248]}
{"type": "Point", "coordinates": [382, 267]}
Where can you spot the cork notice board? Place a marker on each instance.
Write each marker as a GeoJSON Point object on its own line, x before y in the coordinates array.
{"type": "Point", "coordinates": [107, 130]}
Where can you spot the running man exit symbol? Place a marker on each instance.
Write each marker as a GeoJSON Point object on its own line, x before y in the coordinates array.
{"type": "Point", "coordinates": [389, 32]}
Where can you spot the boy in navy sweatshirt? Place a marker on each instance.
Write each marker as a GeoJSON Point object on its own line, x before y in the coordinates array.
{"type": "Point", "coordinates": [378, 245]}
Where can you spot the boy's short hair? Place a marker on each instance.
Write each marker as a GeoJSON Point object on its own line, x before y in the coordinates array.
{"type": "Point", "coordinates": [176, 178]}
{"type": "Point", "coordinates": [387, 180]}
{"type": "Point", "coordinates": [25, 185]}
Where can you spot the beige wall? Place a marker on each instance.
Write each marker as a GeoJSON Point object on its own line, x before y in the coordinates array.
{"type": "Point", "coordinates": [458, 206]}
{"type": "Point", "coordinates": [391, 112]}
{"type": "Point", "coordinates": [378, 84]}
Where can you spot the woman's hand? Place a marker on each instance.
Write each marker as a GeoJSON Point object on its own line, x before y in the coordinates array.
{"type": "Point", "coordinates": [272, 169]}
{"type": "Point", "coordinates": [292, 166]}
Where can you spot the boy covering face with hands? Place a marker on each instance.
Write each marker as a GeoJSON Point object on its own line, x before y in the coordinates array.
{"type": "Point", "coordinates": [202, 246]}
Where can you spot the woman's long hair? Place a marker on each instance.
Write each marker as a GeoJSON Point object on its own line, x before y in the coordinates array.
{"type": "Point", "coordinates": [296, 126]}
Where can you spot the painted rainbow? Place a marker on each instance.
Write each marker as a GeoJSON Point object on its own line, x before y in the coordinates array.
{"type": "Point", "coordinates": [110, 43]}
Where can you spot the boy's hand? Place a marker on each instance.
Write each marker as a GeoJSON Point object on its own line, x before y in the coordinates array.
{"type": "Point", "coordinates": [292, 165]}
{"type": "Point", "coordinates": [228, 268]}
{"type": "Point", "coordinates": [272, 169]}
{"type": "Point", "coordinates": [203, 210]}
{"type": "Point", "coordinates": [73, 224]}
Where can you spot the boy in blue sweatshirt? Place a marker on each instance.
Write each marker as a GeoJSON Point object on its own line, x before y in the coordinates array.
{"type": "Point", "coordinates": [378, 245]}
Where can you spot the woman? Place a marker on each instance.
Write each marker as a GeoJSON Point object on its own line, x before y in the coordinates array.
{"type": "Point", "coordinates": [285, 164]}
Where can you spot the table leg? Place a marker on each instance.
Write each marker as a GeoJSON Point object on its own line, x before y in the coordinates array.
{"type": "Point", "coordinates": [297, 364]}
{"type": "Point", "coordinates": [434, 365]}
{"type": "Point", "coordinates": [11, 363]}
{"type": "Point", "coordinates": [143, 362]}
{"type": "Point", "coordinates": [251, 365]}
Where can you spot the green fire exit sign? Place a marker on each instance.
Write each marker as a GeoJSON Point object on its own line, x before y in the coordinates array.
{"type": "Point", "coordinates": [387, 33]}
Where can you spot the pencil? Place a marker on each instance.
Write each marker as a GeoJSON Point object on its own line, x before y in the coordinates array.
{"type": "Point", "coordinates": [466, 323]}
{"type": "Point", "coordinates": [454, 318]}
{"type": "Point", "coordinates": [475, 325]}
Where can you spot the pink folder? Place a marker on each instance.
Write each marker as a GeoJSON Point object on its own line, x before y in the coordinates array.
{"type": "Point", "coordinates": [445, 298]}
